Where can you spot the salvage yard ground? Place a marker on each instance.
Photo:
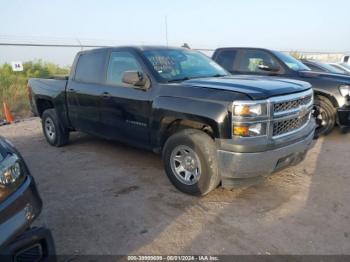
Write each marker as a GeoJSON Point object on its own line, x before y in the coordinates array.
{"type": "Point", "coordinates": [103, 197]}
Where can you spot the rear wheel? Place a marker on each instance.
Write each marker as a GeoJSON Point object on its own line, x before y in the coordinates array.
{"type": "Point", "coordinates": [55, 133]}
{"type": "Point", "coordinates": [190, 162]}
{"type": "Point", "coordinates": [325, 115]}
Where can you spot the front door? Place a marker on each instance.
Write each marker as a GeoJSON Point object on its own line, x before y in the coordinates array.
{"type": "Point", "coordinates": [125, 109]}
{"type": "Point", "coordinates": [249, 60]}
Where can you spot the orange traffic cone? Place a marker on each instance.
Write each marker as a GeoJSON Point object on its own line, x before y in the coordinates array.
{"type": "Point", "coordinates": [7, 114]}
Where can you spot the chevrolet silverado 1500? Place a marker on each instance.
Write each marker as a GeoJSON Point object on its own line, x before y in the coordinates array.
{"type": "Point", "coordinates": [209, 126]}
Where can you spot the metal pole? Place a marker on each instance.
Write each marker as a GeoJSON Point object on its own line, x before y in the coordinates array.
{"type": "Point", "coordinates": [81, 46]}
{"type": "Point", "coordinates": [166, 31]}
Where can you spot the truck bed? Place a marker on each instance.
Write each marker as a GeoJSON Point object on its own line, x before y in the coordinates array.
{"type": "Point", "coordinates": [39, 88]}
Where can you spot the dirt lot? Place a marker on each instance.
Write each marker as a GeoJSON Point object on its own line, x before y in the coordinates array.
{"type": "Point", "coordinates": [102, 197]}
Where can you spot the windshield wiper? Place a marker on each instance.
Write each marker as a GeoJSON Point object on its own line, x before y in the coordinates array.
{"type": "Point", "coordinates": [218, 75]}
{"type": "Point", "coordinates": [192, 77]}
{"type": "Point", "coordinates": [179, 79]}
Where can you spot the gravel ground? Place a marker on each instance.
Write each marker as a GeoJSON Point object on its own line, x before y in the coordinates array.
{"type": "Point", "coordinates": [102, 197]}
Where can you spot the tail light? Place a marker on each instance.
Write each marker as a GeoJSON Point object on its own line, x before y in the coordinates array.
{"type": "Point", "coordinates": [29, 88]}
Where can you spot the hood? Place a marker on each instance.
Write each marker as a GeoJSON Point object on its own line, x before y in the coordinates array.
{"type": "Point", "coordinates": [5, 148]}
{"type": "Point", "coordinates": [257, 87]}
{"type": "Point", "coordinates": [343, 79]}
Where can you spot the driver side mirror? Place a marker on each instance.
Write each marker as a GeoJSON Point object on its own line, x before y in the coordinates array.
{"type": "Point", "coordinates": [135, 78]}
{"type": "Point", "coordinates": [267, 66]}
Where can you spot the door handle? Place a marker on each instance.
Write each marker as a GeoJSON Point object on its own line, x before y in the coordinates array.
{"type": "Point", "coordinates": [72, 90]}
{"type": "Point", "coordinates": [106, 95]}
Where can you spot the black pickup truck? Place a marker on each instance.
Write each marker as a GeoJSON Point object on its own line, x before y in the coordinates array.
{"type": "Point", "coordinates": [20, 205]}
{"type": "Point", "coordinates": [210, 127]}
{"type": "Point", "coordinates": [332, 91]}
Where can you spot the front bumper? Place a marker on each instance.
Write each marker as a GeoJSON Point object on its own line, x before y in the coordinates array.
{"type": "Point", "coordinates": [36, 244]}
{"type": "Point", "coordinates": [343, 116]}
{"type": "Point", "coordinates": [238, 168]}
{"type": "Point", "coordinates": [18, 211]}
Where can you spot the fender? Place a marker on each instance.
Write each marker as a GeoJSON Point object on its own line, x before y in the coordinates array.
{"type": "Point", "coordinates": [336, 100]}
{"type": "Point", "coordinates": [58, 103]}
{"type": "Point", "coordinates": [166, 110]}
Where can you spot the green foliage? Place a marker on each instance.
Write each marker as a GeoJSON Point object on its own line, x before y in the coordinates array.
{"type": "Point", "coordinates": [13, 85]}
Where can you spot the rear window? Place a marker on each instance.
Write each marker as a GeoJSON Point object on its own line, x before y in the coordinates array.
{"type": "Point", "coordinates": [226, 59]}
{"type": "Point", "coordinates": [90, 68]}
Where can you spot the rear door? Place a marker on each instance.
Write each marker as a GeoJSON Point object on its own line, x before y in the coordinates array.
{"type": "Point", "coordinates": [125, 109]}
{"type": "Point", "coordinates": [84, 91]}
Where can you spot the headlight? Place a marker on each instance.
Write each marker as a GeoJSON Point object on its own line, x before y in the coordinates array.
{"type": "Point", "coordinates": [248, 118]}
{"type": "Point", "coordinates": [249, 130]}
{"type": "Point", "coordinates": [247, 109]}
{"type": "Point", "coordinates": [10, 170]}
{"type": "Point", "coordinates": [344, 90]}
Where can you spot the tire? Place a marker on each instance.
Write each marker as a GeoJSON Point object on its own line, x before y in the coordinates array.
{"type": "Point", "coordinates": [344, 129]}
{"type": "Point", "coordinates": [54, 132]}
{"type": "Point", "coordinates": [325, 115]}
{"type": "Point", "coordinates": [201, 148]}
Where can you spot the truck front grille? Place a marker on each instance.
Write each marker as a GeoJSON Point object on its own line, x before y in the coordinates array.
{"type": "Point", "coordinates": [32, 253]}
{"type": "Point", "coordinates": [282, 115]}
{"type": "Point", "coordinates": [292, 104]}
{"type": "Point", "coordinates": [286, 126]}
{"type": "Point", "coordinates": [290, 112]}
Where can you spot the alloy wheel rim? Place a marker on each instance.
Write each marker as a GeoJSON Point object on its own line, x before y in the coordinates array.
{"type": "Point", "coordinates": [185, 164]}
{"type": "Point", "coordinates": [50, 129]}
{"type": "Point", "coordinates": [321, 117]}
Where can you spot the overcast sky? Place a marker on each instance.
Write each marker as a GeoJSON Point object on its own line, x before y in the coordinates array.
{"type": "Point", "coordinates": [283, 25]}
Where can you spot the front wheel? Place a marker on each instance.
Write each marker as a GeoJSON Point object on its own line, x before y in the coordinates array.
{"type": "Point", "coordinates": [190, 162]}
{"type": "Point", "coordinates": [325, 115]}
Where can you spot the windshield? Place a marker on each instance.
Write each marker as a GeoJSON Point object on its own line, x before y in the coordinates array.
{"type": "Point", "coordinates": [346, 65]}
{"type": "Point", "coordinates": [291, 62]}
{"type": "Point", "coordinates": [330, 68]}
{"type": "Point", "coordinates": [174, 65]}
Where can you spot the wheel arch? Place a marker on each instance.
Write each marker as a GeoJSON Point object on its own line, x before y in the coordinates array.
{"type": "Point", "coordinates": [330, 97]}
{"type": "Point", "coordinates": [43, 104]}
{"type": "Point", "coordinates": [172, 114]}
{"type": "Point", "coordinates": [171, 125]}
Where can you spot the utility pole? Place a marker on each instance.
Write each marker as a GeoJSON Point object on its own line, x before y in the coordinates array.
{"type": "Point", "coordinates": [166, 31]}
{"type": "Point", "coordinates": [81, 46]}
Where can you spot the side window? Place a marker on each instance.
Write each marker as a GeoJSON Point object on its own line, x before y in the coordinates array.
{"type": "Point", "coordinates": [339, 68]}
{"type": "Point", "coordinates": [120, 62]}
{"type": "Point", "coordinates": [314, 68]}
{"type": "Point", "coordinates": [90, 67]}
{"type": "Point", "coordinates": [251, 59]}
{"type": "Point", "coordinates": [226, 58]}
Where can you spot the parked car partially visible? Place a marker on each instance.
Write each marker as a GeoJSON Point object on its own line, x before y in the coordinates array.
{"type": "Point", "coordinates": [346, 59]}
{"type": "Point", "coordinates": [341, 66]}
{"type": "Point", "coordinates": [332, 99]}
{"type": "Point", "coordinates": [20, 205]}
{"type": "Point", "coordinates": [319, 66]}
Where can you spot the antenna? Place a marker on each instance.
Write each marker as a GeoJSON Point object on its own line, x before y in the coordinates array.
{"type": "Point", "coordinates": [166, 30]}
